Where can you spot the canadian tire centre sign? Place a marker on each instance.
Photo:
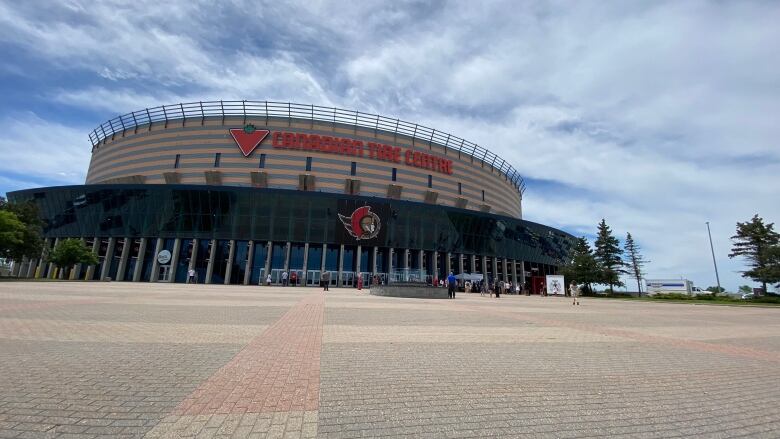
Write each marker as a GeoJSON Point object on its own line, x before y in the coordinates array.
{"type": "Point", "coordinates": [249, 138]}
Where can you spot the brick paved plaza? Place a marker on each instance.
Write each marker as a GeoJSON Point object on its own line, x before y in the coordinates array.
{"type": "Point", "coordinates": [165, 361]}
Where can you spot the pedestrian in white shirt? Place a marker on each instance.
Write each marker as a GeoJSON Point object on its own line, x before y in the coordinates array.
{"type": "Point", "coordinates": [574, 291]}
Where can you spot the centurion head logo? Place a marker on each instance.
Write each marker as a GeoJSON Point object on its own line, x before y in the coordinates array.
{"type": "Point", "coordinates": [362, 224]}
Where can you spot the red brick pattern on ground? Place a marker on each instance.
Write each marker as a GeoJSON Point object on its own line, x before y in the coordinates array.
{"type": "Point", "coordinates": [279, 371]}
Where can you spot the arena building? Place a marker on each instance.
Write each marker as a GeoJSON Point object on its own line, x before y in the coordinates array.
{"type": "Point", "coordinates": [240, 190]}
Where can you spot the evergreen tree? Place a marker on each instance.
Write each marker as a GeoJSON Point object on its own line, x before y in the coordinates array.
{"type": "Point", "coordinates": [634, 261]}
{"type": "Point", "coordinates": [758, 243]}
{"type": "Point", "coordinates": [608, 254]}
{"type": "Point", "coordinates": [582, 267]}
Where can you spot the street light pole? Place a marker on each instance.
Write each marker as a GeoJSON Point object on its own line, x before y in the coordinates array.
{"type": "Point", "coordinates": [712, 249]}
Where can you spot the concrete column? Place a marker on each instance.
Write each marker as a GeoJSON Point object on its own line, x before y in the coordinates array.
{"type": "Point", "coordinates": [358, 265]}
{"type": "Point", "coordinates": [302, 280]}
{"type": "Point", "coordinates": [373, 262]}
{"type": "Point", "coordinates": [50, 265]}
{"type": "Point", "coordinates": [250, 256]}
{"type": "Point", "coordinates": [108, 258]}
{"type": "Point", "coordinates": [390, 254]}
{"type": "Point", "coordinates": [522, 271]}
{"type": "Point", "coordinates": [174, 260]}
{"type": "Point", "coordinates": [91, 268]}
{"type": "Point", "coordinates": [41, 264]}
{"type": "Point", "coordinates": [504, 269]}
{"type": "Point", "coordinates": [435, 264]}
{"type": "Point", "coordinates": [341, 264]}
{"type": "Point", "coordinates": [31, 266]}
{"type": "Point", "coordinates": [210, 267]}
{"type": "Point", "coordinates": [460, 263]}
{"type": "Point", "coordinates": [473, 263]}
{"type": "Point", "coordinates": [231, 255]}
{"type": "Point", "coordinates": [406, 258]}
{"type": "Point", "coordinates": [495, 269]}
{"type": "Point", "coordinates": [16, 267]}
{"type": "Point", "coordinates": [76, 273]}
{"type": "Point", "coordinates": [484, 268]}
{"type": "Point", "coordinates": [421, 261]}
{"type": "Point", "coordinates": [139, 261]}
{"type": "Point", "coordinates": [267, 266]}
{"type": "Point", "coordinates": [324, 251]}
{"type": "Point", "coordinates": [193, 255]}
{"type": "Point", "coordinates": [448, 264]}
{"type": "Point", "coordinates": [156, 265]}
{"type": "Point", "coordinates": [120, 272]}
{"type": "Point", "coordinates": [287, 250]}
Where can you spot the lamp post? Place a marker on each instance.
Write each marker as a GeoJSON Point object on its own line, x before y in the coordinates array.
{"type": "Point", "coordinates": [712, 249]}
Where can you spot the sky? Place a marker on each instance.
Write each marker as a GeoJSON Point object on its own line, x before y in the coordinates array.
{"type": "Point", "coordinates": [656, 116]}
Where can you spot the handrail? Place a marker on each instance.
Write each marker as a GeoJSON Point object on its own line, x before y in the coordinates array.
{"type": "Point", "coordinates": [288, 110]}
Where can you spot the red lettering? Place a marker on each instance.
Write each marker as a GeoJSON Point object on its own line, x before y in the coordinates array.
{"type": "Point", "coordinates": [277, 139]}
{"type": "Point", "coordinates": [314, 142]}
{"type": "Point", "coordinates": [288, 140]}
{"type": "Point", "coordinates": [302, 141]}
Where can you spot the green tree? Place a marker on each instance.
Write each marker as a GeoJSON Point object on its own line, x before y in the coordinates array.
{"type": "Point", "coordinates": [70, 252]}
{"type": "Point", "coordinates": [634, 261]}
{"type": "Point", "coordinates": [757, 243]}
{"type": "Point", "coordinates": [608, 254]}
{"type": "Point", "coordinates": [31, 242]}
{"type": "Point", "coordinates": [11, 232]}
{"type": "Point", "coordinates": [582, 268]}
{"type": "Point", "coordinates": [744, 289]}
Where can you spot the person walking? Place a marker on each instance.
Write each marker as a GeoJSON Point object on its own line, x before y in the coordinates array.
{"type": "Point", "coordinates": [191, 276]}
{"type": "Point", "coordinates": [360, 282]}
{"type": "Point", "coordinates": [325, 279]}
{"type": "Point", "coordinates": [574, 290]}
{"type": "Point", "coordinates": [451, 284]}
{"type": "Point", "coordinates": [284, 279]}
{"type": "Point", "coordinates": [268, 280]}
{"type": "Point", "coordinates": [294, 279]}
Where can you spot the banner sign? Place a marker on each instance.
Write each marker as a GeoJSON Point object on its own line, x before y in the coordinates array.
{"type": "Point", "coordinates": [555, 285]}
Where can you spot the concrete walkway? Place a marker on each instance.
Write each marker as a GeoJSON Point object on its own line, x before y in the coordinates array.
{"type": "Point", "coordinates": [165, 361]}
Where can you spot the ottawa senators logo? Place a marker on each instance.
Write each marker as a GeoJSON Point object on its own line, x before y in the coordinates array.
{"type": "Point", "coordinates": [362, 224]}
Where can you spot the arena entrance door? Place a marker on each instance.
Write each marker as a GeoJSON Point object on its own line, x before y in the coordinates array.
{"type": "Point", "coordinates": [165, 273]}
{"type": "Point", "coordinates": [348, 279]}
{"type": "Point", "coordinates": [313, 278]}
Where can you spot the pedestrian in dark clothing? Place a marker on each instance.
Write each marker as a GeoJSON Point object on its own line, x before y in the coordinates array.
{"type": "Point", "coordinates": [325, 280]}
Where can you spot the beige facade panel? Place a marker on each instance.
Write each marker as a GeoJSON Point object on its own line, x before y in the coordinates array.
{"type": "Point", "coordinates": [150, 154]}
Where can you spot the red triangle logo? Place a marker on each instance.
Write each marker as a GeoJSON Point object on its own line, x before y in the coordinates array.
{"type": "Point", "coordinates": [247, 142]}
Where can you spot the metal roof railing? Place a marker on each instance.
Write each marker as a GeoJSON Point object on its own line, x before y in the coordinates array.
{"type": "Point", "coordinates": [267, 109]}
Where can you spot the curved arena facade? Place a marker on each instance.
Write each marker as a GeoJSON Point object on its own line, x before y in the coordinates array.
{"type": "Point", "coordinates": [237, 191]}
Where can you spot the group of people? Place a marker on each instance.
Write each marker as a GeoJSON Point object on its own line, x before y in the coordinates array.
{"type": "Point", "coordinates": [491, 288]}
{"type": "Point", "coordinates": [498, 288]}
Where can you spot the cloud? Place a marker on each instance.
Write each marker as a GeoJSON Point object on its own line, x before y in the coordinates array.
{"type": "Point", "coordinates": [40, 152]}
{"type": "Point", "coordinates": [657, 116]}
